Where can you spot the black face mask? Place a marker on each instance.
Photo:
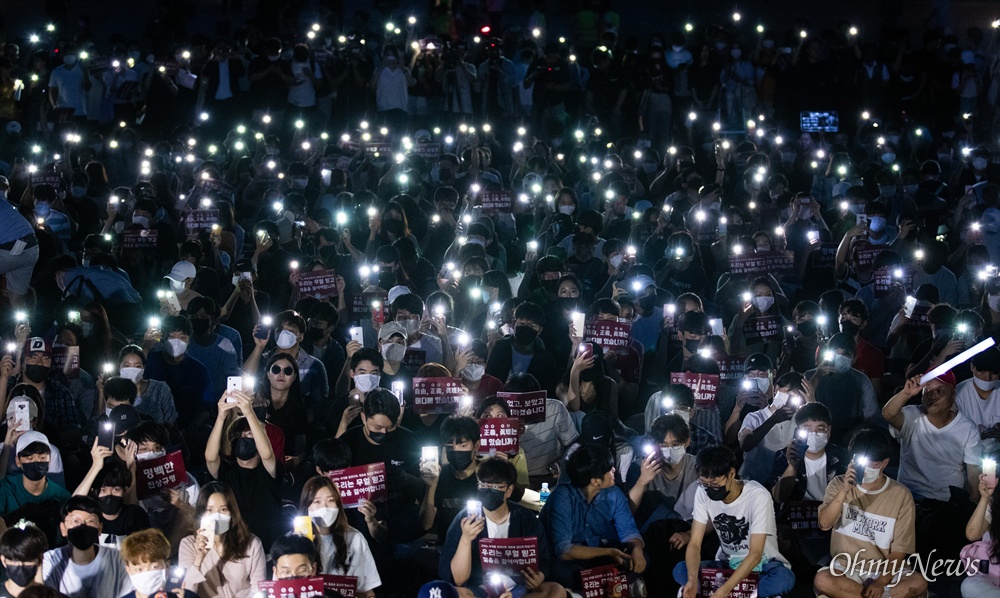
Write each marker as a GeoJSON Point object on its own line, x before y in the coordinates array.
{"type": "Point", "coordinates": [37, 373]}
{"type": "Point", "coordinates": [592, 373]}
{"type": "Point", "coordinates": [646, 303]}
{"type": "Point", "coordinates": [550, 285]}
{"type": "Point", "coordinates": [692, 345]}
{"type": "Point", "coordinates": [82, 537]}
{"type": "Point", "coordinates": [460, 460]}
{"type": "Point", "coordinates": [200, 326]}
{"type": "Point", "coordinates": [36, 470]}
{"type": "Point", "coordinates": [245, 448]}
{"type": "Point", "coordinates": [314, 334]}
{"type": "Point", "coordinates": [525, 335]}
{"type": "Point", "coordinates": [807, 328]}
{"type": "Point", "coordinates": [21, 575]}
{"type": "Point", "coordinates": [377, 437]}
{"type": "Point", "coordinates": [718, 493]}
{"type": "Point", "coordinates": [260, 412]}
{"type": "Point", "coordinates": [110, 504]}
{"type": "Point", "coordinates": [393, 226]}
{"type": "Point", "coordinates": [849, 327]}
{"type": "Point", "coordinates": [491, 498]}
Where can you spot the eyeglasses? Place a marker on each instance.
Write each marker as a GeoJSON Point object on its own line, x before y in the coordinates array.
{"type": "Point", "coordinates": [500, 487]}
{"type": "Point", "coordinates": [277, 369]}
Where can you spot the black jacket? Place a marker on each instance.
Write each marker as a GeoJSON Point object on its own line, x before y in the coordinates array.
{"type": "Point", "coordinates": [542, 367]}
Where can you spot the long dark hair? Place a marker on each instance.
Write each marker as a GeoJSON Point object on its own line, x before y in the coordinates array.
{"type": "Point", "coordinates": [295, 390]}
{"type": "Point", "coordinates": [236, 541]}
{"type": "Point", "coordinates": [995, 528]}
{"type": "Point", "coordinates": [339, 528]}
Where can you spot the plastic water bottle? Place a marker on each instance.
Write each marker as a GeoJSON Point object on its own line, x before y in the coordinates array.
{"type": "Point", "coordinates": [543, 494]}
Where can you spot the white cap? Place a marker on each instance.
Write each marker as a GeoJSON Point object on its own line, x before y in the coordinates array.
{"type": "Point", "coordinates": [182, 271]}
{"type": "Point", "coordinates": [30, 437]}
{"type": "Point", "coordinates": [397, 291]}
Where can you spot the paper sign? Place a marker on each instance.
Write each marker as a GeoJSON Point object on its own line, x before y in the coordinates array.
{"type": "Point", "coordinates": [608, 580]}
{"type": "Point", "coordinates": [413, 360]}
{"type": "Point", "coordinates": [54, 180]}
{"type": "Point", "coordinates": [199, 220]}
{"type": "Point", "coordinates": [318, 284]}
{"type": "Point", "coordinates": [731, 367]}
{"type": "Point", "coordinates": [825, 256]}
{"type": "Point", "coordinates": [704, 386]}
{"type": "Point", "coordinates": [864, 254]}
{"type": "Point", "coordinates": [886, 281]}
{"type": "Point", "coordinates": [160, 474]}
{"type": "Point", "coordinates": [362, 482]}
{"type": "Point", "coordinates": [145, 238]}
{"type": "Point", "coordinates": [346, 585]}
{"type": "Point", "coordinates": [803, 515]}
{"type": "Point", "coordinates": [169, 68]}
{"type": "Point", "coordinates": [302, 587]}
{"type": "Point", "coordinates": [499, 434]}
{"type": "Point", "coordinates": [496, 201]}
{"type": "Point", "coordinates": [361, 304]}
{"type": "Point", "coordinates": [919, 318]}
{"type": "Point", "coordinates": [609, 334]}
{"type": "Point", "coordinates": [436, 395]}
{"type": "Point", "coordinates": [761, 327]}
{"type": "Point", "coordinates": [770, 262]}
{"type": "Point", "coordinates": [427, 151]}
{"type": "Point", "coordinates": [508, 556]}
{"type": "Point", "coordinates": [712, 579]}
{"type": "Point", "coordinates": [67, 361]}
{"type": "Point", "coordinates": [529, 407]}
{"type": "Point", "coordinates": [218, 189]}
{"type": "Point", "coordinates": [379, 149]}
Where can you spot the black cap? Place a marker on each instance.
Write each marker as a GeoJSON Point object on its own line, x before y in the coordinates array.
{"type": "Point", "coordinates": [596, 429]}
{"type": "Point", "coordinates": [124, 417]}
{"type": "Point", "coordinates": [757, 361]}
{"type": "Point", "coordinates": [844, 341]}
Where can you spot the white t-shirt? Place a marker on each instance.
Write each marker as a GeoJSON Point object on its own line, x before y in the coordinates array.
{"type": "Point", "coordinates": [301, 93]}
{"type": "Point", "coordinates": [982, 413]}
{"type": "Point", "coordinates": [758, 463]}
{"type": "Point", "coordinates": [70, 84]}
{"type": "Point", "coordinates": [930, 459]}
{"type": "Point", "coordinates": [360, 562]}
{"type": "Point", "coordinates": [392, 92]}
{"type": "Point", "coordinates": [815, 477]}
{"type": "Point", "coordinates": [751, 513]}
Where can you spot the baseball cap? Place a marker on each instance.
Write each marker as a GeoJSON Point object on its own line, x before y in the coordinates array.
{"type": "Point", "coordinates": [124, 417]}
{"type": "Point", "coordinates": [397, 291]}
{"type": "Point", "coordinates": [13, 128]}
{"type": "Point", "coordinates": [596, 429]}
{"type": "Point", "coordinates": [182, 271]}
{"type": "Point", "coordinates": [840, 189]}
{"type": "Point", "coordinates": [437, 589]}
{"type": "Point", "coordinates": [757, 361]}
{"type": "Point", "coordinates": [948, 378]}
{"type": "Point", "coordinates": [29, 438]}
{"type": "Point", "coordinates": [390, 328]}
{"type": "Point", "coordinates": [37, 344]}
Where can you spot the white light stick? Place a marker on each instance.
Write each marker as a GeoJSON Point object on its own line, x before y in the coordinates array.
{"type": "Point", "coordinates": [960, 358]}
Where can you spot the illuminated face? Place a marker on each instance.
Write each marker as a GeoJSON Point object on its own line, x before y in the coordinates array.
{"type": "Point", "coordinates": [291, 566]}
{"type": "Point", "coordinates": [569, 289]}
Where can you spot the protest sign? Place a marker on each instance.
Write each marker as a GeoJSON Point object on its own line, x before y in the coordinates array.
{"type": "Point", "coordinates": [529, 407]}
{"type": "Point", "coordinates": [161, 473]}
{"type": "Point", "coordinates": [363, 482]}
{"type": "Point", "coordinates": [437, 395]}
{"type": "Point", "coordinates": [704, 386]}
{"type": "Point", "coordinates": [508, 556]}
{"type": "Point", "coordinates": [319, 284]}
{"type": "Point", "coordinates": [607, 580]}
{"type": "Point", "coordinates": [499, 434]}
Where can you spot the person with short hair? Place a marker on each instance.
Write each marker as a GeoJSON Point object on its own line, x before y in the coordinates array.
{"type": "Point", "coordinates": [22, 549]}
{"type": "Point", "coordinates": [189, 380]}
{"type": "Point", "coordinates": [742, 515]}
{"type": "Point", "coordinates": [109, 480]}
{"type": "Point", "coordinates": [288, 332]}
{"type": "Point", "coordinates": [82, 568]}
{"type": "Point", "coordinates": [455, 481]}
{"type": "Point", "coordinates": [523, 352]}
{"type": "Point", "coordinates": [363, 371]}
{"type": "Point", "coordinates": [978, 398]}
{"type": "Point", "coordinates": [846, 392]}
{"type": "Point", "coordinates": [872, 518]}
{"type": "Point", "coordinates": [854, 317]}
{"type": "Point", "coordinates": [805, 467]}
{"type": "Point", "coordinates": [147, 560]}
{"type": "Point", "coordinates": [33, 454]}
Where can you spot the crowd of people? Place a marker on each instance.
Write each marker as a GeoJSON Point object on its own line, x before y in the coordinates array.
{"type": "Point", "coordinates": [272, 301]}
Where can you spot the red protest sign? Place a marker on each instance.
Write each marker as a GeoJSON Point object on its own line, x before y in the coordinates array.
{"type": "Point", "coordinates": [198, 220]}
{"type": "Point", "coordinates": [731, 367]}
{"type": "Point", "coordinates": [863, 254]}
{"type": "Point", "coordinates": [704, 386]}
{"type": "Point", "coordinates": [361, 303]}
{"type": "Point", "coordinates": [161, 473]}
{"type": "Point", "coordinates": [886, 280]}
{"type": "Point", "coordinates": [607, 580]}
{"type": "Point", "coordinates": [219, 189]}
{"type": "Point", "coordinates": [508, 555]}
{"type": "Point", "coordinates": [67, 361]}
{"type": "Point", "coordinates": [711, 579]}
{"type": "Point", "coordinates": [499, 434]}
{"type": "Point", "coordinates": [761, 327]}
{"type": "Point", "coordinates": [345, 585]}
{"type": "Point", "coordinates": [610, 334]}
{"type": "Point", "coordinates": [413, 360]}
{"type": "Point", "coordinates": [300, 587]}
{"type": "Point", "coordinates": [427, 151]}
{"type": "Point", "coordinates": [768, 262]}
{"type": "Point", "coordinates": [825, 256]}
{"type": "Point", "coordinates": [319, 284]}
{"type": "Point", "coordinates": [145, 238]}
{"type": "Point", "coordinates": [803, 515]}
{"type": "Point", "coordinates": [436, 395]}
{"type": "Point", "coordinates": [497, 201]}
{"type": "Point", "coordinates": [363, 482]}
{"type": "Point", "coordinates": [529, 407]}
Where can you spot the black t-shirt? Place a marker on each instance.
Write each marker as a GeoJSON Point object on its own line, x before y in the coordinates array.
{"type": "Point", "coordinates": [292, 419]}
{"type": "Point", "coordinates": [132, 518]}
{"type": "Point", "coordinates": [400, 450]}
{"type": "Point", "coordinates": [450, 498]}
{"type": "Point", "coordinates": [259, 498]}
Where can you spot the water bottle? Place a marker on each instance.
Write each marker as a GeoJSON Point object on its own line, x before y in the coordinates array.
{"type": "Point", "coordinates": [543, 494]}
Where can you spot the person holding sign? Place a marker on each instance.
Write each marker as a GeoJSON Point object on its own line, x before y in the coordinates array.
{"type": "Point", "coordinates": [461, 560]}
{"type": "Point", "coordinates": [494, 407]}
{"type": "Point", "coordinates": [743, 517]}
{"type": "Point", "coordinates": [758, 326]}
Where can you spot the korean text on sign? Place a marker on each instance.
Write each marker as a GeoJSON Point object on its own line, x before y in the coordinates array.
{"type": "Point", "coordinates": [436, 395]}
{"type": "Point", "coordinates": [162, 473]}
{"type": "Point", "coordinates": [318, 284]}
{"type": "Point", "coordinates": [508, 555]}
{"type": "Point", "coordinates": [364, 482]}
{"type": "Point", "coordinates": [704, 386]}
{"type": "Point", "coordinates": [529, 407]}
{"type": "Point", "coordinates": [499, 434]}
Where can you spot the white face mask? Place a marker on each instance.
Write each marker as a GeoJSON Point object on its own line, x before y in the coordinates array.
{"type": "Point", "coordinates": [979, 163]}
{"type": "Point", "coordinates": [567, 209]}
{"type": "Point", "coordinates": [673, 455]}
{"type": "Point", "coordinates": [841, 363]}
{"type": "Point", "coordinates": [684, 414]}
{"type": "Point", "coordinates": [780, 398]}
{"type": "Point", "coordinates": [393, 352]}
{"type": "Point", "coordinates": [763, 303]}
{"type": "Point", "coordinates": [149, 582]}
{"type": "Point", "coordinates": [324, 517]}
{"type": "Point", "coordinates": [474, 372]}
{"type": "Point", "coordinates": [286, 339]}
{"type": "Point", "coordinates": [133, 374]}
{"type": "Point", "coordinates": [616, 261]}
{"type": "Point", "coordinates": [140, 220]}
{"type": "Point", "coordinates": [147, 456]}
{"type": "Point", "coordinates": [366, 382]}
{"type": "Point", "coordinates": [993, 301]}
{"type": "Point", "coordinates": [222, 522]}
{"type": "Point", "coordinates": [177, 287]}
{"type": "Point", "coordinates": [176, 347]}
{"type": "Point", "coordinates": [412, 326]}
{"type": "Point", "coordinates": [107, 411]}
{"type": "Point", "coordinates": [816, 441]}
{"type": "Point", "coordinates": [985, 385]}
{"type": "Point", "coordinates": [871, 474]}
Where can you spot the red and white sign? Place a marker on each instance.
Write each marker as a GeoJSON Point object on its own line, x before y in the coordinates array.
{"type": "Point", "coordinates": [160, 474]}
{"type": "Point", "coordinates": [769, 262]}
{"type": "Point", "coordinates": [437, 395]}
{"type": "Point", "coordinates": [319, 284]}
{"type": "Point", "coordinates": [302, 587]}
{"type": "Point", "coordinates": [145, 238]}
{"type": "Point", "coordinates": [610, 334]}
{"type": "Point", "coordinates": [363, 482]}
{"type": "Point", "coordinates": [712, 579]}
{"type": "Point", "coordinates": [863, 254]}
{"type": "Point", "coordinates": [508, 555]}
{"type": "Point", "coordinates": [529, 407]}
{"type": "Point", "coordinates": [803, 515]}
{"type": "Point", "coordinates": [731, 367]}
{"type": "Point", "coordinates": [607, 580]}
{"type": "Point", "coordinates": [361, 304]}
{"type": "Point", "coordinates": [497, 201]}
{"type": "Point", "coordinates": [198, 220]}
{"type": "Point", "coordinates": [886, 281]}
{"type": "Point", "coordinates": [219, 189]}
{"type": "Point", "coordinates": [346, 585]}
{"type": "Point", "coordinates": [67, 361]}
{"type": "Point", "coordinates": [762, 327]}
{"type": "Point", "coordinates": [499, 434]}
{"type": "Point", "coordinates": [704, 386]}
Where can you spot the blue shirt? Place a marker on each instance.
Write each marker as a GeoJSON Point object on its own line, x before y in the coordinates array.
{"type": "Point", "coordinates": [234, 337]}
{"type": "Point", "coordinates": [189, 381]}
{"type": "Point", "coordinates": [520, 362]}
{"type": "Point", "coordinates": [220, 358]}
{"type": "Point", "coordinates": [13, 225]}
{"type": "Point", "coordinates": [569, 520]}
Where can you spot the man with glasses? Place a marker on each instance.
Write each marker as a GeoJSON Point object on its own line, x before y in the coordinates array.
{"type": "Point", "coordinates": [743, 517]}
{"type": "Point", "coordinates": [500, 518]}
{"type": "Point", "coordinates": [936, 443]}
